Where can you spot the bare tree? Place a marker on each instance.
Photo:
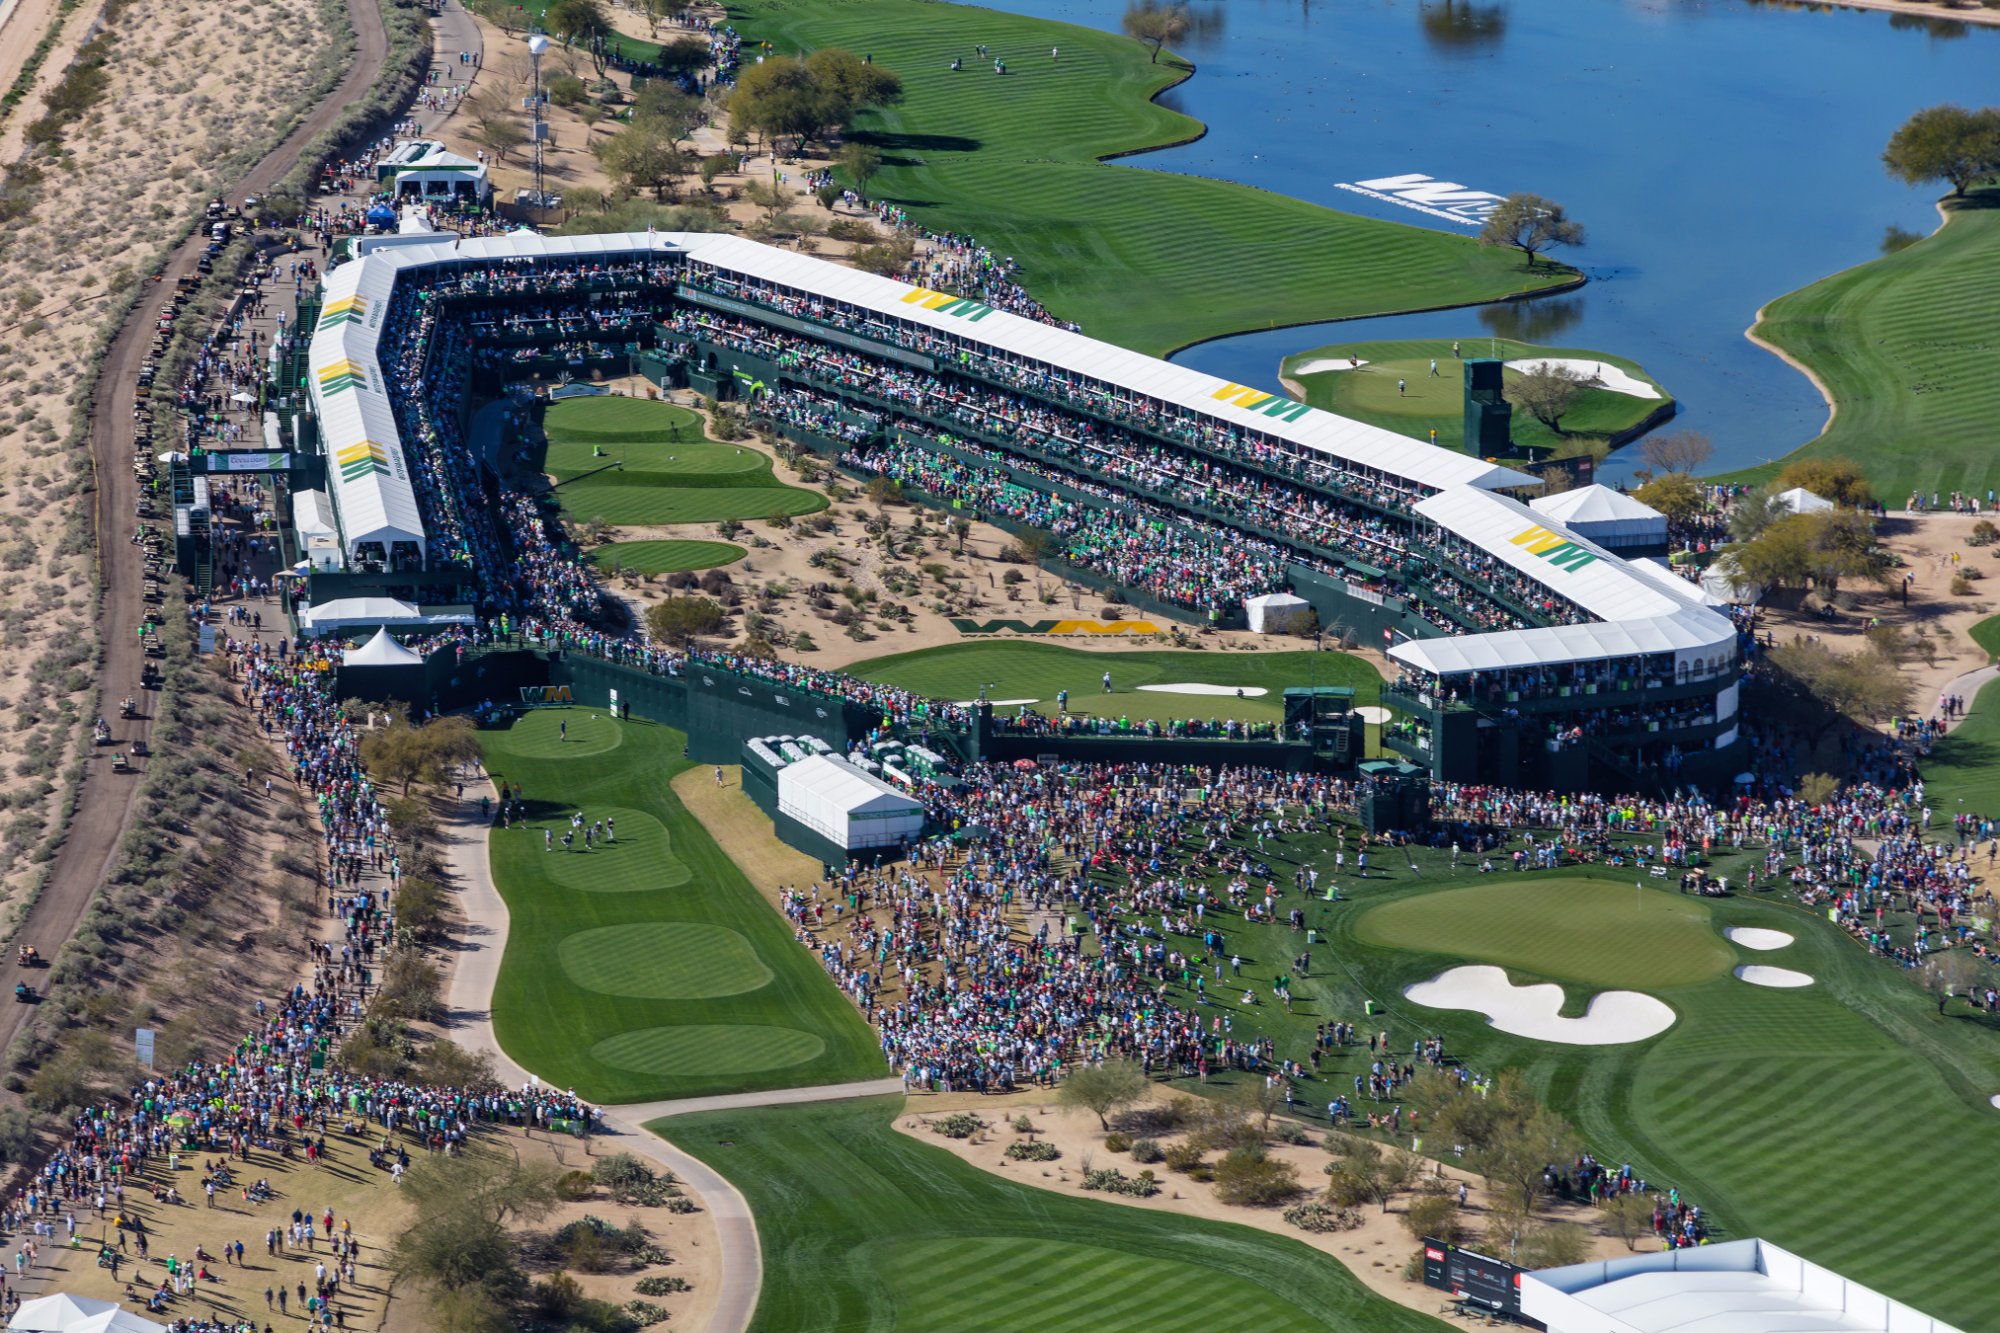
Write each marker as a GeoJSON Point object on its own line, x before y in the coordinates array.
{"type": "Point", "coordinates": [1676, 451]}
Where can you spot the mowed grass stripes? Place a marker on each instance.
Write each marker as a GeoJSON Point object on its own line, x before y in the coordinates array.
{"type": "Point", "coordinates": [648, 967]}
{"type": "Point", "coordinates": [1148, 259]}
{"type": "Point", "coordinates": [1907, 346]}
{"type": "Point", "coordinates": [863, 1228]}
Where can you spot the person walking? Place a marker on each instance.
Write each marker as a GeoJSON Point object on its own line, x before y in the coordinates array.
{"type": "Point", "coordinates": [1399, 388]}
{"type": "Point", "coordinates": [1434, 369]}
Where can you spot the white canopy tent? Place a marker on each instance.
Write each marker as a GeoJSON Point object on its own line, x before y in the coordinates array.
{"type": "Point", "coordinates": [1802, 501]}
{"type": "Point", "coordinates": [382, 650]}
{"type": "Point", "coordinates": [1278, 613]}
{"type": "Point", "coordinates": [1725, 581]}
{"type": "Point", "coordinates": [1609, 518]}
{"type": "Point", "coordinates": [116, 1321]}
{"type": "Point", "coordinates": [845, 805]}
{"type": "Point", "coordinates": [58, 1313]}
{"type": "Point", "coordinates": [312, 514]}
{"type": "Point", "coordinates": [349, 612]}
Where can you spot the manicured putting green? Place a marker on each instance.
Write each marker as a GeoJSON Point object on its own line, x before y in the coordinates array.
{"type": "Point", "coordinates": [1429, 404]}
{"type": "Point", "coordinates": [1592, 931]}
{"type": "Point", "coordinates": [663, 960]}
{"type": "Point", "coordinates": [539, 734]}
{"type": "Point", "coordinates": [631, 420]}
{"type": "Point", "coordinates": [666, 557]}
{"type": "Point", "coordinates": [865, 1228]}
{"type": "Point", "coordinates": [643, 857]}
{"type": "Point", "coordinates": [660, 506]}
{"type": "Point", "coordinates": [1039, 670]}
{"type": "Point", "coordinates": [707, 1050]}
{"type": "Point", "coordinates": [654, 464]}
{"type": "Point", "coordinates": [1006, 1283]}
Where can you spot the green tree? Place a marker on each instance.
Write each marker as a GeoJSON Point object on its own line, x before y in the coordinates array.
{"type": "Point", "coordinates": [1754, 512]}
{"type": "Point", "coordinates": [713, 166]}
{"type": "Point", "coordinates": [576, 22]}
{"type": "Point", "coordinates": [679, 621]}
{"type": "Point", "coordinates": [642, 156]}
{"type": "Point", "coordinates": [1675, 494]}
{"type": "Point", "coordinates": [1945, 143]}
{"type": "Point", "coordinates": [1437, 1217]}
{"type": "Point", "coordinates": [851, 84]}
{"type": "Point", "coordinates": [1630, 1218]}
{"type": "Point", "coordinates": [1103, 1088]}
{"type": "Point", "coordinates": [862, 162]}
{"type": "Point", "coordinates": [1549, 391]}
{"type": "Point", "coordinates": [1840, 480]}
{"type": "Point", "coordinates": [657, 10]}
{"type": "Point", "coordinates": [1948, 974]}
{"type": "Point", "coordinates": [675, 113]}
{"type": "Point", "coordinates": [1520, 1151]}
{"type": "Point", "coordinates": [686, 55]}
{"type": "Point", "coordinates": [1155, 24]}
{"type": "Point", "coordinates": [1864, 686]}
{"type": "Point", "coordinates": [1531, 224]}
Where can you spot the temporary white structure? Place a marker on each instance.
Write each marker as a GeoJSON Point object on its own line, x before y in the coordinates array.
{"type": "Point", "coordinates": [116, 1321]}
{"type": "Point", "coordinates": [382, 650]}
{"type": "Point", "coordinates": [1802, 501]}
{"type": "Point", "coordinates": [424, 168]}
{"type": "Point", "coordinates": [1278, 613]}
{"type": "Point", "coordinates": [312, 514]}
{"type": "Point", "coordinates": [1738, 1286]}
{"type": "Point", "coordinates": [848, 807]}
{"type": "Point", "coordinates": [1609, 518]}
{"type": "Point", "coordinates": [1726, 581]}
{"type": "Point", "coordinates": [57, 1313]}
{"type": "Point", "coordinates": [348, 612]}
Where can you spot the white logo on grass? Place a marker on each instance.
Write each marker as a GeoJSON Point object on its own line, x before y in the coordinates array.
{"type": "Point", "coordinates": [1427, 194]}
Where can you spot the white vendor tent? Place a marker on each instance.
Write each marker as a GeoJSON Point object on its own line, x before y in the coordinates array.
{"type": "Point", "coordinates": [1738, 1286]}
{"type": "Point", "coordinates": [382, 650]}
{"type": "Point", "coordinates": [1278, 613]}
{"type": "Point", "coordinates": [117, 1321]}
{"type": "Point", "coordinates": [424, 168]}
{"type": "Point", "coordinates": [1802, 501]}
{"type": "Point", "coordinates": [848, 807]}
{"type": "Point", "coordinates": [349, 612]}
{"type": "Point", "coordinates": [63, 1313]}
{"type": "Point", "coordinates": [1609, 518]}
{"type": "Point", "coordinates": [312, 514]}
{"type": "Point", "coordinates": [1726, 582]}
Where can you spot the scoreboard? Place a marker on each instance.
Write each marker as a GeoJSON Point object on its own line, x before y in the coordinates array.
{"type": "Point", "coordinates": [1494, 1283]}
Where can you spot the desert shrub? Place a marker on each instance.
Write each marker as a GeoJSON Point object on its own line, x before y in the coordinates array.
{"type": "Point", "coordinates": [1290, 1131]}
{"type": "Point", "coordinates": [1436, 1216]}
{"type": "Point", "coordinates": [959, 1125]}
{"type": "Point", "coordinates": [1113, 1181]}
{"type": "Point", "coordinates": [1023, 1124]}
{"type": "Point", "coordinates": [660, 1286]}
{"type": "Point", "coordinates": [1033, 1151]}
{"type": "Point", "coordinates": [576, 1186]}
{"type": "Point", "coordinates": [1961, 586]}
{"type": "Point", "coordinates": [1322, 1217]}
{"type": "Point", "coordinates": [646, 1314]}
{"type": "Point", "coordinates": [1984, 533]}
{"type": "Point", "coordinates": [1183, 1156]}
{"type": "Point", "coordinates": [1249, 1175]}
{"type": "Point", "coordinates": [1160, 1117]}
{"type": "Point", "coordinates": [1147, 1151]}
{"type": "Point", "coordinates": [1117, 1141]}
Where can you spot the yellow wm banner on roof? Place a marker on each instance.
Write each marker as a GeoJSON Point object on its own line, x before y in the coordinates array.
{"type": "Point", "coordinates": [341, 375]}
{"type": "Point", "coordinates": [1270, 404]}
{"type": "Point", "coordinates": [1557, 550]}
{"type": "Point", "coordinates": [947, 304]}
{"type": "Point", "coordinates": [345, 310]}
{"type": "Point", "coordinates": [359, 460]}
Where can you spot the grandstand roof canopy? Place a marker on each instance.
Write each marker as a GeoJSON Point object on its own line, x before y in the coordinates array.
{"type": "Point", "coordinates": [1689, 633]}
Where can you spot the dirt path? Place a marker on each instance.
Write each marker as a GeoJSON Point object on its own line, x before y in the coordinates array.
{"type": "Point", "coordinates": [106, 802]}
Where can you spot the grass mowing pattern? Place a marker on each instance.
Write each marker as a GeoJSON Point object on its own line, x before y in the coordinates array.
{"type": "Point", "coordinates": [1593, 932]}
{"type": "Point", "coordinates": [663, 960]}
{"type": "Point", "coordinates": [1770, 1107]}
{"type": "Point", "coordinates": [1039, 670]}
{"type": "Point", "coordinates": [1963, 772]}
{"type": "Point", "coordinates": [865, 1229]}
{"type": "Point", "coordinates": [617, 1048]}
{"type": "Point", "coordinates": [666, 557]}
{"type": "Point", "coordinates": [1905, 345]}
{"type": "Point", "coordinates": [640, 506]}
{"type": "Point", "coordinates": [623, 420]}
{"type": "Point", "coordinates": [1151, 260]}
{"type": "Point", "coordinates": [1369, 393]}
{"type": "Point", "coordinates": [702, 463]}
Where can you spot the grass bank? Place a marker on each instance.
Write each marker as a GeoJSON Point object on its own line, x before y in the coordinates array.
{"type": "Point", "coordinates": [646, 967]}
{"type": "Point", "coordinates": [1039, 670]}
{"type": "Point", "coordinates": [1428, 404]}
{"type": "Point", "coordinates": [1904, 346]}
{"type": "Point", "coordinates": [862, 1228]}
{"type": "Point", "coordinates": [1147, 259]}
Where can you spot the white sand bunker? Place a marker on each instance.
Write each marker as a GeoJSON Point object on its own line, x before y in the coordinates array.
{"type": "Point", "coordinates": [1782, 977]}
{"type": "Point", "coordinates": [1247, 691]}
{"type": "Point", "coordinates": [999, 703]}
{"type": "Point", "coordinates": [1372, 713]}
{"type": "Point", "coordinates": [1995, 1099]}
{"type": "Point", "coordinates": [1319, 363]}
{"type": "Point", "coordinates": [1607, 376]}
{"type": "Point", "coordinates": [1750, 937]}
{"type": "Point", "coordinates": [1614, 1018]}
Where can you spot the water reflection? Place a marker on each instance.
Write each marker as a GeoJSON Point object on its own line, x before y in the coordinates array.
{"type": "Point", "coordinates": [1896, 238]}
{"type": "Point", "coordinates": [1205, 28]}
{"type": "Point", "coordinates": [1942, 30]}
{"type": "Point", "coordinates": [1461, 27]}
{"type": "Point", "coordinates": [1542, 321]}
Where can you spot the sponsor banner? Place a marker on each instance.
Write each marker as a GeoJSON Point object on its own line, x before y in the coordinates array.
{"type": "Point", "coordinates": [246, 461]}
{"type": "Point", "coordinates": [1558, 550]}
{"type": "Point", "coordinates": [1445, 200]}
{"type": "Point", "coordinates": [1053, 627]}
{"type": "Point", "coordinates": [546, 696]}
{"type": "Point", "coordinates": [1368, 595]}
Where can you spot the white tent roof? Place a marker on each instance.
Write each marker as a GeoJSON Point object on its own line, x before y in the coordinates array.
{"type": "Point", "coordinates": [840, 784]}
{"type": "Point", "coordinates": [1688, 633]}
{"type": "Point", "coordinates": [1662, 573]}
{"type": "Point", "coordinates": [343, 612]}
{"type": "Point", "coordinates": [117, 1321]}
{"type": "Point", "coordinates": [312, 513]}
{"type": "Point", "coordinates": [1741, 1286]}
{"type": "Point", "coordinates": [1276, 600]}
{"type": "Point", "coordinates": [1608, 515]}
{"type": "Point", "coordinates": [367, 473]}
{"type": "Point", "coordinates": [1725, 581]}
{"type": "Point", "coordinates": [382, 650]}
{"type": "Point", "coordinates": [57, 1313]}
{"type": "Point", "coordinates": [1802, 501]}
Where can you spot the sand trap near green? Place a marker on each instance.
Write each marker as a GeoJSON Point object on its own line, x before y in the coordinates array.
{"type": "Point", "coordinates": [707, 1050]}
{"type": "Point", "coordinates": [663, 960]}
{"type": "Point", "coordinates": [1592, 931]}
{"type": "Point", "coordinates": [1613, 1018]}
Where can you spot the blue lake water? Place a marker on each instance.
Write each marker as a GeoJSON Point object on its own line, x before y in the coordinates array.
{"type": "Point", "coordinates": [1720, 154]}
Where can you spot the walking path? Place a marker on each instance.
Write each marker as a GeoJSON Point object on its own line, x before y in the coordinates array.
{"type": "Point", "coordinates": [1967, 687]}
{"type": "Point", "coordinates": [469, 999]}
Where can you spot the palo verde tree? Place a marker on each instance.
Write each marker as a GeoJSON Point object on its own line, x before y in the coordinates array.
{"type": "Point", "coordinates": [1945, 143]}
{"type": "Point", "coordinates": [1531, 224]}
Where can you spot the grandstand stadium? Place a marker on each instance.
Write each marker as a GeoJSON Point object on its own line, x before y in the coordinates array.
{"type": "Point", "coordinates": [1526, 653]}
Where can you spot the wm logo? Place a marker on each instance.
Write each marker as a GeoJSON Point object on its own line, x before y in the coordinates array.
{"type": "Point", "coordinates": [1256, 400]}
{"type": "Point", "coordinates": [545, 696]}
{"type": "Point", "coordinates": [1055, 627]}
{"type": "Point", "coordinates": [347, 310]}
{"type": "Point", "coordinates": [361, 460]}
{"type": "Point", "coordinates": [1557, 550]}
{"type": "Point", "coordinates": [946, 304]}
{"type": "Point", "coordinates": [341, 375]}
